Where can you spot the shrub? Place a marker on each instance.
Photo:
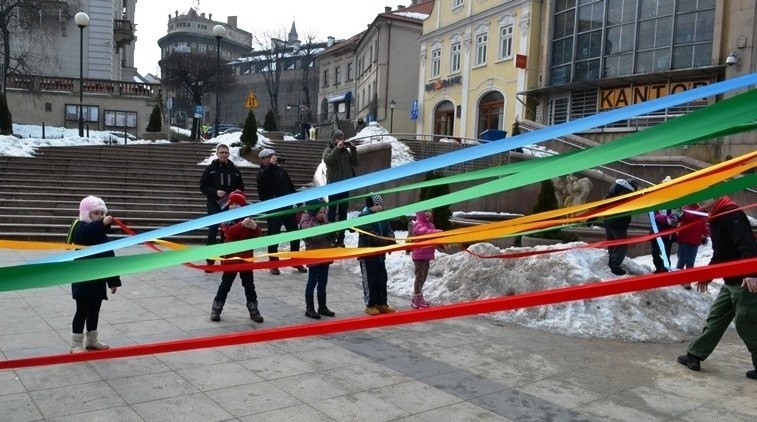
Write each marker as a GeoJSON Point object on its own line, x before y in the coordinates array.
{"type": "Point", "coordinates": [269, 124]}
{"type": "Point", "coordinates": [249, 136]}
{"type": "Point", "coordinates": [6, 118]}
{"type": "Point", "coordinates": [155, 124]}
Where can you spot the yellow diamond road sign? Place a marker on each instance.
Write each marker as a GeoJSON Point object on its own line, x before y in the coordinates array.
{"type": "Point", "coordinates": [252, 101]}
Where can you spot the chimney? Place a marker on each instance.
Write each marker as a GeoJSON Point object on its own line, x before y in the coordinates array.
{"type": "Point", "coordinates": [387, 9]}
{"type": "Point", "coordinates": [202, 15]}
{"type": "Point", "coordinates": [330, 41]}
{"type": "Point", "coordinates": [210, 16]}
{"type": "Point", "coordinates": [232, 21]}
{"type": "Point", "coordinates": [400, 7]}
{"type": "Point", "coordinates": [413, 2]}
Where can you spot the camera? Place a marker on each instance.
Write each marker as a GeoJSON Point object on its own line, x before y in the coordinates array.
{"type": "Point", "coordinates": [280, 159]}
{"type": "Point", "coordinates": [731, 59]}
{"type": "Point", "coordinates": [347, 143]}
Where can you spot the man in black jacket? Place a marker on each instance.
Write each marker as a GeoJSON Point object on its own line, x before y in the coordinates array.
{"type": "Point", "coordinates": [732, 240]}
{"type": "Point", "coordinates": [220, 178]}
{"type": "Point", "coordinates": [617, 227]}
{"type": "Point", "coordinates": [273, 182]}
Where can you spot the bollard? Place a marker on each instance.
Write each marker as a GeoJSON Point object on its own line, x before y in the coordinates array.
{"type": "Point", "coordinates": [43, 130]}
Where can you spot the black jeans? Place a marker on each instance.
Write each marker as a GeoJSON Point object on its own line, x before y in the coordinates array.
{"type": "Point", "coordinates": [374, 282]}
{"type": "Point", "coordinates": [248, 282]}
{"type": "Point", "coordinates": [274, 227]}
{"type": "Point", "coordinates": [213, 208]}
{"type": "Point", "coordinates": [86, 310]}
{"type": "Point", "coordinates": [618, 252]}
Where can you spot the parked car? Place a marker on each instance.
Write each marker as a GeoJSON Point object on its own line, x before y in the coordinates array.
{"type": "Point", "coordinates": [221, 129]}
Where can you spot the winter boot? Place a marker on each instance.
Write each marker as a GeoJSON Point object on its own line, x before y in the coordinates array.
{"type": "Point", "coordinates": [385, 309]}
{"type": "Point", "coordinates": [215, 310]}
{"type": "Point", "coordinates": [310, 308]}
{"type": "Point", "coordinates": [752, 374]}
{"type": "Point", "coordinates": [209, 262]}
{"type": "Point", "coordinates": [93, 344]}
{"type": "Point", "coordinates": [301, 269]}
{"type": "Point", "coordinates": [419, 302]}
{"type": "Point", "coordinates": [322, 308]}
{"type": "Point", "coordinates": [76, 343]}
{"type": "Point", "coordinates": [690, 361]}
{"type": "Point", "coordinates": [254, 313]}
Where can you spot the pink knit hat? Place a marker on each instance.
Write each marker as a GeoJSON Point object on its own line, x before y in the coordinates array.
{"type": "Point", "coordinates": [89, 204]}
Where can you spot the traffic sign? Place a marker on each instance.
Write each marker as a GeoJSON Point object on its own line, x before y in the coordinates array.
{"type": "Point", "coordinates": [414, 106]}
{"type": "Point", "coordinates": [413, 114]}
{"type": "Point", "coordinates": [198, 110]}
{"type": "Point", "coordinates": [252, 101]}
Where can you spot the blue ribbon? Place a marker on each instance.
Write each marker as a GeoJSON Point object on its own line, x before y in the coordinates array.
{"type": "Point", "coordinates": [418, 167]}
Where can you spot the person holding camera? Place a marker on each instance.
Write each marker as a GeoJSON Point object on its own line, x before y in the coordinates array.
{"type": "Point", "coordinates": [273, 182]}
{"type": "Point", "coordinates": [341, 160]}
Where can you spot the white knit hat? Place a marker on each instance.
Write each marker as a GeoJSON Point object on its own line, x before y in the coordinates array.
{"type": "Point", "coordinates": [89, 204]}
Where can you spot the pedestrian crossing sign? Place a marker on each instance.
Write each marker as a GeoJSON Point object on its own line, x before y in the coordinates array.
{"type": "Point", "coordinates": [252, 101]}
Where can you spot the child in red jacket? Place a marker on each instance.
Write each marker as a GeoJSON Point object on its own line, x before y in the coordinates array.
{"type": "Point", "coordinates": [245, 228]}
{"type": "Point", "coordinates": [693, 233]}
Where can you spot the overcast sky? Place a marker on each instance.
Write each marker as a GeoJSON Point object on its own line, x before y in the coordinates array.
{"type": "Point", "coordinates": [338, 18]}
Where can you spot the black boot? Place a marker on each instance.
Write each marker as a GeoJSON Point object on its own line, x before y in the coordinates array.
{"type": "Point", "coordinates": [690, 361]}
{"type": "Point", "coordinates": [322, 308]}
{"type": "Point", "coordinates": [254, 313]}
{"type": "Point", "coordinates": [215, 310]}
{"type": "Point", "coordinates": [209, 262]}
{"type": "Point", "coordinates": [310, 308]}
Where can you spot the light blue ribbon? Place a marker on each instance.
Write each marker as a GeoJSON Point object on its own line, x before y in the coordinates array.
{"type": "Point", "coordinates": [422, 166]}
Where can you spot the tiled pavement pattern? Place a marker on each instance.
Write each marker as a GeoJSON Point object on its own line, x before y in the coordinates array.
{"type": "Point", "coordinates": [467, 369]}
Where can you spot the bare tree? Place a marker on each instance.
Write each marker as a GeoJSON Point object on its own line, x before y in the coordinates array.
{"type": "Point", "coordinates": [24, 29]}
{"type": "Point", "coordinates": [307, 54]}
{"type": "Point", "coordinates": [269, 62]}
{"type": "Point", "coordinates": [195, 75]}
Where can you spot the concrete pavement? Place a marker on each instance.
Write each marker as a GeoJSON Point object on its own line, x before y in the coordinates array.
{"type": "Point", "coordinates": [467, 369]}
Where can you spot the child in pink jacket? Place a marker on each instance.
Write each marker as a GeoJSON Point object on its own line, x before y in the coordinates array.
{"type": "Point", "coordinates": [422, 257]}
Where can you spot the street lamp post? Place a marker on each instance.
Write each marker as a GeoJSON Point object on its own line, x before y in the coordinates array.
{"type": "Point", "coordinates": [82, 20]}
{"type": "Point", "coordinates": [392, 104]}
{"type": "Point", "coordinates": [219, 32]}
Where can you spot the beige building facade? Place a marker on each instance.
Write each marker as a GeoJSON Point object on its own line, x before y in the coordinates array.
{"type": "Point", "coordinates": [600, 55]}
{"type": "Point", "coordinates": [475, 56]}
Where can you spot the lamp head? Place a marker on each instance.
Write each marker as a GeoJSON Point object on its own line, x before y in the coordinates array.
{"type": "Point", "coordinates": [392, 104]}
{"type": "Point", "coordinates": [731, 59]}
{"type": "Point", "coordinates": [219, 31]}
{"type": "Point", "coordinates": [81, 19]}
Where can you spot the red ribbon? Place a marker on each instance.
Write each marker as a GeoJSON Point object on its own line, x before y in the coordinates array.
{"type": "Point", "coordinates": [548, 297]}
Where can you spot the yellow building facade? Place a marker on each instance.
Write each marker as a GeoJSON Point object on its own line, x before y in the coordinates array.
{"type": "Point", "coordinates": [475, 56]}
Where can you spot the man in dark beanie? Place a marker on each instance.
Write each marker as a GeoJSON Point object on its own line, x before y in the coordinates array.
{"type": "Point", "coordinates": [617, 227]}
{"type": "Point", "coordinates": [341, 160]}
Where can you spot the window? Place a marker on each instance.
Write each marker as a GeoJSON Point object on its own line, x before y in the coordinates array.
{"type": "Point", "coordinates": [454, 57]}
{"type": "Point", "coordinates": [481, 40]}
{"type": "Point", "coordinates": [444, 119]}
{"type": "Point", "coordinates": [350, 71]}
{"type": "Point", "coordinates": [436, 62]}
{"type": "Point", "coordinates": [506, 42]}
{"type": "Point", "coordinates": [326, 77]}
{"type": "Point", "coordinates": [338, 75]}
{"type": "Point", "coordinates": [490, 114]}
{"type": "Point", "coordinates": [558, 110]}
{"type": "Point", "coordinates": [457, 3]}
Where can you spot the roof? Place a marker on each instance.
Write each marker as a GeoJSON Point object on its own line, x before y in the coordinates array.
{"type": "Point", "coordinates": [416, 13]}
{"type": "Point", "coordinates": [348, 43]}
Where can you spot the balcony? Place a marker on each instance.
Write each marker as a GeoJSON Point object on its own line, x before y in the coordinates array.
{"type": "Point", "coordinates": [41, 84]}
{"type": "Point", "coordinates": [123, 32]}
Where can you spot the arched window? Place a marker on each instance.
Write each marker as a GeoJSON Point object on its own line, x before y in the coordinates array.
{"type": "Point", "coordinates": [491, 110]}
{"type": "Point", "coordinates": [444, 119]}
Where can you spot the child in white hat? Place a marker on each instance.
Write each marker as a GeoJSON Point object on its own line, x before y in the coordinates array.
{"type": "Point", "coordinates": [90, 229]}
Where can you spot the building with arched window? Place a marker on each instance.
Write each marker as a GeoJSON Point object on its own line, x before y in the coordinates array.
{"type": "Point", "coordinates": [474, 58]}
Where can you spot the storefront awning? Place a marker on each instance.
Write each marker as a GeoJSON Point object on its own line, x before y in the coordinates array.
{"type": "Point", "coordinates": [343, 98]}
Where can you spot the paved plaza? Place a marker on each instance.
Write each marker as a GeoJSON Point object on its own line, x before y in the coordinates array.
{"type": "Point", "coordinates": [466, 369]}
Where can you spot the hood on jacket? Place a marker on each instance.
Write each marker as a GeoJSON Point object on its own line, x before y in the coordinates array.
{"type": "Point", "coordinates": [421, 217]}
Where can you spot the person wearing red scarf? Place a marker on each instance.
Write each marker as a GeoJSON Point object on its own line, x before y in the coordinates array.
{"type": "Point", "coordinates": [732, 240]}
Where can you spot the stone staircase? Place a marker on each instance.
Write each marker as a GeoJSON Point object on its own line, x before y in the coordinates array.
{"type": "Point", "coordinates": [145, 186]}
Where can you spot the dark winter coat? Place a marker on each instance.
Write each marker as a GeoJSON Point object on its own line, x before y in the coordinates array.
{"type": "Point", "coordinates": [340, 162]}
{"type": "Point", "coordinates": [380, 229]}
{"type": "Point", "coordinates": [88, 234]}
{"type": "Point", "coordinates": [217, 176]}
{"type": "Point", "coordinates": [622, 222]}
{"type": "Point", "coordinates": [731, 235]}
{"type": "Point", "coordinates": [234, 230]}
{"type": "Point", "coordinates": [273, 182]}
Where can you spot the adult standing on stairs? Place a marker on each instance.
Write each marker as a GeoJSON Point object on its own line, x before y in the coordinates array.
{"type": "Point", "coordinates": [273, 182]}
{"type": "Point", "coordinates": [220, 178]}
{"type": "Point", "coordinates": [341, 159]}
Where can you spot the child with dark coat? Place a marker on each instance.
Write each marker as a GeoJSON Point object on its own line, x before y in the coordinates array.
{"type": "Point", "coordinates": [616, 228]}
{"type": "Point", "coordinates": [318, 274]}
{"type": "Point", "coordinates": [90, 229]}
{"type": "Point", "coordinates": [245, 228]}
{"type": "Point", "coordinates": [373, 267]}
